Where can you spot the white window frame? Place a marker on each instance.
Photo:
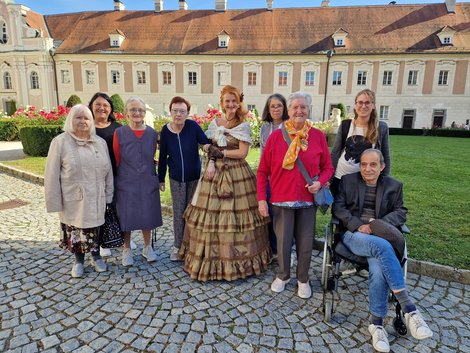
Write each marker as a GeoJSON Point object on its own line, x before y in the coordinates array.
{"type": "Point", "coordinates": [361, 78]}
{"type": "Point", "coordinates": [90, 77]}
{"type": "Point", "coordinates": [115, 77]}
{"type": "Point", "coordinates": [252, 79]}
{"type": "Point", "coordinates": [283, 77]}
{"type": "Point", "coordinates": [3, 32]}
{"type": "Point", "coordinates": [65, 76]}
{"type": "Point", "coordinates": [167, 78]}
{"type": "Point", "coordinates": [412, 77]}
{"type": "Point", "coordinates": [222, 74]}
{"type": "Point", "coordinates": [387, 79]}
{"type": "Point", "coordinates": [309, 78]}
{"type": "Point", "coordinates": [337, 78]}
{"type": "Point", "coordinates": [141, 76]}
{"type": "Point", "coordinates": [443, 79]}
{"type": "Point", "coordinates": [7, 83]}
{"type": "Point", "coordinates": [192, 78]}
{"type": "Point", "coordinates": [384, 111]}
{"type": "Point", "coordinates": [34, 80]}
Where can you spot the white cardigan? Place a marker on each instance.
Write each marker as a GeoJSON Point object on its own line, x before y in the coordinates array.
{"type": "Point", "coordinates": [78, 180]}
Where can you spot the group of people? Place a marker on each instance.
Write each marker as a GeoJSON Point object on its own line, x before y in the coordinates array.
{"type": "Point", "coordinates": [228, 222]}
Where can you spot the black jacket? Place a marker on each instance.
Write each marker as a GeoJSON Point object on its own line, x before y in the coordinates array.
{"type": "Point", "coordinates": [349, 201]}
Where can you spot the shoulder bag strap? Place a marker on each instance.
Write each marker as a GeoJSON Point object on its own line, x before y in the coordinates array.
{"type": "Point", "coordinates": [298, 161]}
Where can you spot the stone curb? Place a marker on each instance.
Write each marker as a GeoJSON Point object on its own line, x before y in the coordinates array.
{"type": "Point", "coordinates": [426, 268]}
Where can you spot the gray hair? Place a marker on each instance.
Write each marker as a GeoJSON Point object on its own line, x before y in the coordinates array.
{"type": "Point", "coordinates": [77, 110]}
{"type": "Point", "coordinates": [377, 152]}
{"type": "Point", "coordinates": [133, 99]}
{"type": "Point", "coordinates": [300, 95]}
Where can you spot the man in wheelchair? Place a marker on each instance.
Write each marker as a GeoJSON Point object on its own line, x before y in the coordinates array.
{"type": "Point", "coordinates": [362, 198]}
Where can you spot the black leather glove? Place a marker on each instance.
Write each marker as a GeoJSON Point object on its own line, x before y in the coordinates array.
{"type": "Point", "coordinates": [214, 153]}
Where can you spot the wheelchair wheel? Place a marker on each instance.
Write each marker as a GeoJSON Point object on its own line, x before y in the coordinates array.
{"type": "Point", "coordinates": [327, 311]}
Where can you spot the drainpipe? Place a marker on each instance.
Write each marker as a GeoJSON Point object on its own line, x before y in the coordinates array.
{"type": "Point", "coordinates": [329, 54]}
{"type": "Point", "coordinates": [54, 66]}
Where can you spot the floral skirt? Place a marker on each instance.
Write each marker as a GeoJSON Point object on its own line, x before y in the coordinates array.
{"type": "Point", "coordinates": [226, 238]}
{"type": "Point", "coordinates": [78, 240]}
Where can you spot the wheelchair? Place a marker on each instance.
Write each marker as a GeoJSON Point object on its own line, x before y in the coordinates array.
{"type": "Point", "coordinates": [334, 252]}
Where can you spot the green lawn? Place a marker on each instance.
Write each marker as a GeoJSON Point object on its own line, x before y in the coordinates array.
{"type": "Point", "coordinates": [436, 175]}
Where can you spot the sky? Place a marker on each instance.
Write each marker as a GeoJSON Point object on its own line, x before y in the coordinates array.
{"type": "Point", "coordinates": [47, 7]}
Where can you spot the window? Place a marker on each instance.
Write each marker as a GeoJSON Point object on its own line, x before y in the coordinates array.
{"type": "Point", "coordinates": [309, 78]}
{"type": "Point", "coordinates": [282, 78]}
{"type": "Point", "coordinates": [383, 114]}
{"type": "Point", "coordinates": [115, 43]}
{"type": "Point", "coordinates": [90, 77]}
{"type": "Point", "coordinates": [438, 118]}
{"type": "Point", "coordinates": [223, 44]}
{"type": "Point", "coordinates": [339, 42]}
{"type": "Point", "coordinates": [3, 33]}
{"type": "Point", "coordinates": [65, 76]}
{"type": "Point", "coordinates": [408, 118]}
{"type": "Point", "coordinates": [115, 77]}
{"type": "Point", "coordinates": [443, 77]}
{"type": "Point", "coordinates": [412, 78]}
{"type": "Point", "coordinates": [166, 77]}
{"type": "Point", "coordinates": [220, 78]}
{"type": "Point", "coordinates": [337, 78]}
{"type": "Point", "coordinates": [361, 78]}
{"type": "Point", "coordinates": [251, 78]}
{"type": "Point", "coordinates": [192, 78]}
{"type": "Point", "coordinates": [387, 79]}
{"type": "Point", "coordinates": [34, 80]}
{"type": "Point", "coordinates": [141, 79]}
{"type": "Point", "coordinates": [447, 40]}
{"type": "Point", "coordinates": [7, 81]}
{"type": "Point", "coordinates": [251, 107]}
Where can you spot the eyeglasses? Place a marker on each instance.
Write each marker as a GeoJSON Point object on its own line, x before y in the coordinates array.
{"type": "Point", "coordinates": [104, 106]}
{"type": "Point", "coordinates": [137, 111]}
{"type": "Point", "coordinates": [364, 103]}
{"type": "Point", "coordinates": [274, 107]}
{"type": "Point", "coordinates": [179, 111]}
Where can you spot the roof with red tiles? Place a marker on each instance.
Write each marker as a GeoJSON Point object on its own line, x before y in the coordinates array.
{"type": "Point", "coordinates": [370, 29]}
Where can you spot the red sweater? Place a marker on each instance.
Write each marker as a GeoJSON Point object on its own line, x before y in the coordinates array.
{"type": "Point", "coordinates": [289, 185]}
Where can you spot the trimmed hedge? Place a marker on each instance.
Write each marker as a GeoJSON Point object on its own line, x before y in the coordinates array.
{"type": "Point", "coordinates": [36, 139]}
{"type": "Point", "coordinates": [429, 132]}
{"type": "Point", "coordinates": [9, 129]}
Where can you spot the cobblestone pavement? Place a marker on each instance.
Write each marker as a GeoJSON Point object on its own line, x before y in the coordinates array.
{"type": "Point", "coordinates": [157, 308]}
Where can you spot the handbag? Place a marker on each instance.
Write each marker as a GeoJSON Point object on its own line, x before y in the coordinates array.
{"type": "Point", "coordinates": [323, 198]}
{"type": "Point", "coordinates": [111, 236]}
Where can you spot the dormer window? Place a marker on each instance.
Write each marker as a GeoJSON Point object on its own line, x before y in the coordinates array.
{"type": "Point", "coordinates": [116, 38]}
{"type": "Point", "coordinates": [224, 38]}
{"type": "Point", "coordinates": [339, 37]}
{"type": "Point", "coordinates": [446, 35]}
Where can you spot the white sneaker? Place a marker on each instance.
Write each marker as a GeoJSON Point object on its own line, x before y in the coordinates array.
{"type": "Point", "coordinates": [304, 291]}
{"type": "Point", "coordinates": [77, 270]}
{"type": "Point", "coordinates": [174, 256]}
{"type": "Point", "coordinates": [278, 285]}
{"type": "Point", "coordinates": [105, 252]}
{"type": "Point", "coordinates": [127, 257]}
{"type": "Point", "coordinates": [379, 338]}
{"type": "Point", "coordinates": [417, 326]}
{"type": "Point", "coordinates": [149, 254]}
{"type": "Point", "coordinates": [133, 245]}
{"type": "Point", "coordinates": [100, 265]}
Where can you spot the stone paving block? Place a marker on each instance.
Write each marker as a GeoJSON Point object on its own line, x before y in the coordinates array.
{"type": "Point", "coordinates": [50, 341]}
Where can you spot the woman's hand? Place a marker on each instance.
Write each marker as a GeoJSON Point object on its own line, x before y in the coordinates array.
{"type": "Point", "coordinates": [314, 188]}
{"type": "Point", "coordinates": [365, 228]}
{"type": "Point", "coordinates": [263, 208]}
{"type": "Point", "coordinates": [210, 170]}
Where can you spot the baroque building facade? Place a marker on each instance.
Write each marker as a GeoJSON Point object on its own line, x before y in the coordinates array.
{"type": "Point", "coordinates": [415, 57]}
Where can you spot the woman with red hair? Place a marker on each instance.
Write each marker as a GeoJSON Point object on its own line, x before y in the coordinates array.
{"type": "Point", "coordinates": [225, 236]}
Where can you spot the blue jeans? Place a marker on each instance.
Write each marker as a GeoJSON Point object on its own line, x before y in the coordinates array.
{"type": "Point", "coordinates": [385, 272]}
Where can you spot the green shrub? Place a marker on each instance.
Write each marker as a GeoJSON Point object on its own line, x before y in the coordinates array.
{"type": "Point", "coordinates": [118, 103]}
{"type": "Point", "coordinates": [341, 107]}
{"type": "Point", "coordinates": [9, 129]}
{"type": "Point", "coordinates": [36, 139]}
{"type": "Point", "coordinates": [73, 100]}
{"type": "Point", "coordinates": [429, 132]}
{"type": "Point", "coordinates": [159, 122]}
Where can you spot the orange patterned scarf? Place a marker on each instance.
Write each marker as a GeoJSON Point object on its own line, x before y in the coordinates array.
{"type": "Point", "coordinates": [300, 141]}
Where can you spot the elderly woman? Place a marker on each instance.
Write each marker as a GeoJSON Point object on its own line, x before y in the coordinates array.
{"type": "Point", "coordinates": [179, 151]}
{"type": "Point", "coordinates": [225, 236]}
{"type": "Point", "coordinates": [294, 209]}
{"type": "Point", "coordinates": [102, 109]}
{"type": "Point", "coordinates": [274, 113]}
{"type": "Point", "coordinates": [356, 135]}
{"type": "Point", "coordinates": [137, 189]}
{"type": "Point", "coordinates": [78, 183]}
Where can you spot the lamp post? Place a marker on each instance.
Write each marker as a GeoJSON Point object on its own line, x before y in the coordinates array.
{"type": "Point", "coordinates": [329, 54]}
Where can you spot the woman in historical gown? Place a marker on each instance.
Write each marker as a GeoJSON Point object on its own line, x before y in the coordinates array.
{"type": "Point", "coordinates": [225, 235]}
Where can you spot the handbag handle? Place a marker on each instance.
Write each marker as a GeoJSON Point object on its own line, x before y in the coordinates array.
{"type": "Point", "coordinates": [298, 161]}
